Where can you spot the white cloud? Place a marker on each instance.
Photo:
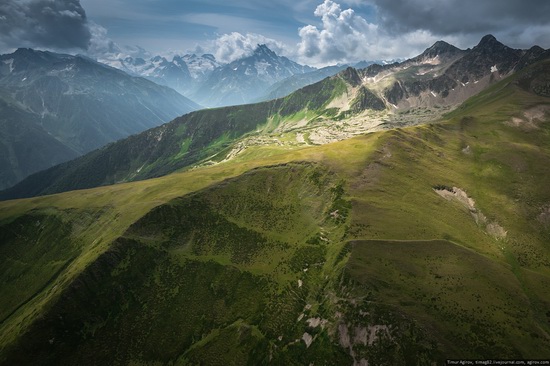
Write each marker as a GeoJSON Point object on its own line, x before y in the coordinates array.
{"type": "Point", "coordinates": [346, 37]}
{"type": "Point", "coordinates": [226, 48]}
{"type": "Point", "coordinates": [232, 46]}
{"type": "Point", "coordinates": [100, 44]}
{"type": "Point", "coordinates": [105, 50]}
{"type": "Point", "coordinates": [71, 14]}
{"type": "Point", "coordinates": [343, 37]}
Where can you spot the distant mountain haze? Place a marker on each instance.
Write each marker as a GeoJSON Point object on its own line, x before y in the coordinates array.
{"type": "Point", "coordinates": [241, 81]}
{"type": "Point", "coordinates": [55, 107]}
{"type": "Point", "coordinates": [211, 83]}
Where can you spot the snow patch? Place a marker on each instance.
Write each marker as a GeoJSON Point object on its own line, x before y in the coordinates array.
{"type": "Point", "coordinates": [10, 64]}
{"type": "Point", "coordinates": [67, 69]}
{"type": "Point", "coordinates": [261, 67]}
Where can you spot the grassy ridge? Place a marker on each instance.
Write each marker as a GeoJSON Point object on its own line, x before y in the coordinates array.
{"type": "Point", "coordinates": [204, 266]}
{"type": "Point", "coordinates": [292, 219]}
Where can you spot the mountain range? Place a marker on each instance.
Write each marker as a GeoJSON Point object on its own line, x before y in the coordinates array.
{"type": "Point", "coordinates": [351, 102]}
{"type": "Point", "coordinates": [183, 73]}
{"type": "Point", "coordinates": [241, 81]}
{"type": "Point", "coordinates": [260, 76]}
{"type": "Point", "coordinates": [213, 84]}
{"type": "Point", "coordinates": [56, 107]}
{"type": "Point", "coordinates": [397, 214]}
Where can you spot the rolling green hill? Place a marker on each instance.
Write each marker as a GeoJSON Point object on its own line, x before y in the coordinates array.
{"type": "Point", "coordinates": [400, 247]}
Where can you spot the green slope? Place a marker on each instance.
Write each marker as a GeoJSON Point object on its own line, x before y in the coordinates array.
{"type": "Point", "coordinates": [356, 250]}
{"type": "Point", "coordinates": [205, 136]}
{"type": "Point", "coordinates": [472, 306]}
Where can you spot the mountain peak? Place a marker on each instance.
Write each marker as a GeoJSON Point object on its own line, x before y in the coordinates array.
{"type": "Point", "coordinates": [26, 52]}
{"type": "Point", "coordinates": [441, 44]}
{"type": "Point", "coordinates": [209, 56]}
{"type": "Point", "coordinates": [262, 49]}
{"type": "Point", "coordinates": [23, 50]}
{"type": "Point", "coordinates": [489, 41]}
{"type": "Point", "coordinates": [439, 48]}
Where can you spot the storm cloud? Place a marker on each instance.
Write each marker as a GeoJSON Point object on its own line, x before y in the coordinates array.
{"type": "Point", "coordinates": [57, 24]}
{"type": "Point", "coordinates": [514, 20]}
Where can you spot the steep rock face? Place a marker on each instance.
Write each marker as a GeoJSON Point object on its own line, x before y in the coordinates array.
{"type": "Point", "coordinates": [451, 75]}
{"type": "Point", "coordinates": [351, 76]}
{"type": "Point", "coordinates": [487, 57]}
{"type": "Point", "coordinates": [531, 56]}
{"type": "Point", "coordinates": [366, 99]}
{"type": "Point", "coordinates": [77, 102]}
{"type": "Point", "coordinates": [395, 93]}
{"type": "Point", "coordinates": [174, 74]}
{"type": "Point", "coordinates": [439, 49]}
{"type": "Point", "coordinates": [376, 69]}
{"type": "Point", "coordinates": [200, 66]}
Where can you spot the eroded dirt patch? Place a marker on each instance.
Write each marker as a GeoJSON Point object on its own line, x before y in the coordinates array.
{"type": "Point", "coordinates": [531, 118]}
{"type": "Point", "coordinates": [544, 216]}
{"type": "Point", "coordinates": [459, 195]}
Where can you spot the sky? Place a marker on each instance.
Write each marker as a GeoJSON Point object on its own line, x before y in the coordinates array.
{"type": "Point", "coordinates": [312, 32]}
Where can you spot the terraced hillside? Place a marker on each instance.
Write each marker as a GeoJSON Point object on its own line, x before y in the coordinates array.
{"type": "Point", "coordinates": [399, 247]}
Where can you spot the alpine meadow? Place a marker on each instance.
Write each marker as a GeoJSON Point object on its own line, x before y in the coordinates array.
{"type": "Point", "coordinates": [255, 202]}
